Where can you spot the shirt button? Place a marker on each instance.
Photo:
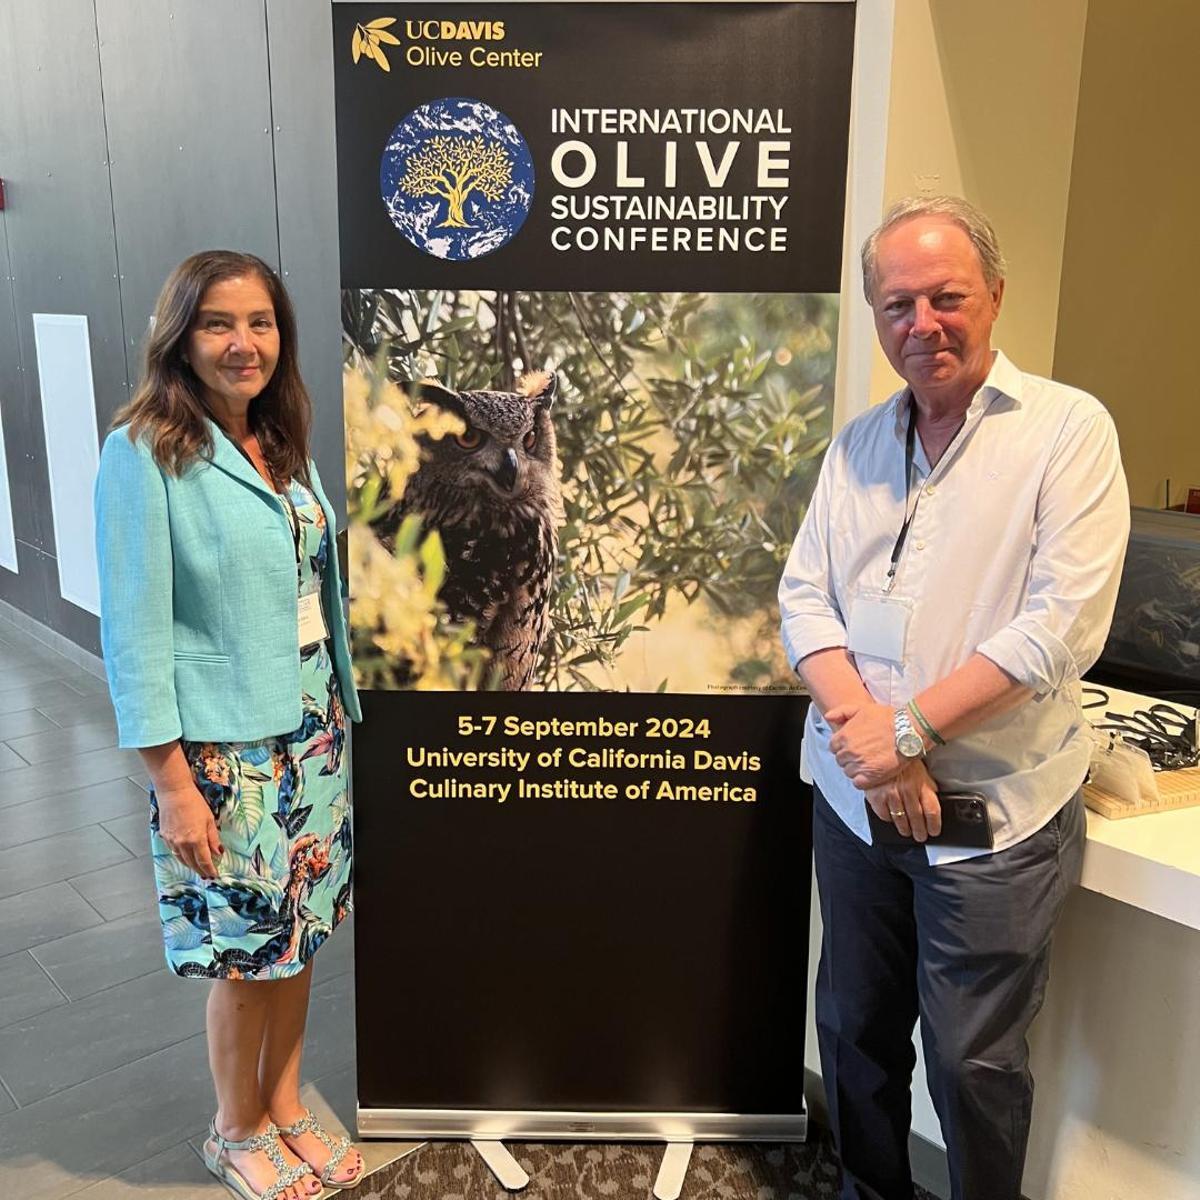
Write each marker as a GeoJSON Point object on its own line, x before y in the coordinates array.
{"type": "Point", "coordinates": [931, 490]}
{"type": "Point", "coordinates": [920, 545]}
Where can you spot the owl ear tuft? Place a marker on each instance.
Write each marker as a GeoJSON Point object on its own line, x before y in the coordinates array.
{"type": "Point", "coordinates": [539, 386]}
{"type": "Point", "coordinates": [430, 391]}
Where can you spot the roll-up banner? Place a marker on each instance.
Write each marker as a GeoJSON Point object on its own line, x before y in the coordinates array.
{"type": "Point", "coordinates": [590, 262]}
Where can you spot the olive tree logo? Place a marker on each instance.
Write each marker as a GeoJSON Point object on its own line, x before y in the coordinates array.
{"type": "Point", "coordinates": [453, 168]}
{"type": "Point", "coordinates": [457, 178]}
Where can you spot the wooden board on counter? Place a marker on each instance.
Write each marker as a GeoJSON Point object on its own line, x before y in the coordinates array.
{"type": "Point", "coordinates": [1176, 789]}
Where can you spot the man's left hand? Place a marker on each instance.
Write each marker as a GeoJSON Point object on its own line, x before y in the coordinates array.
{"type": "Point", "coordinates": [865, 743]}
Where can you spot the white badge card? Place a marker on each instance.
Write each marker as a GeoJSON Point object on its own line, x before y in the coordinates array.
{"type": "Point", "coordinates": [312, 620]}
{"type": "Point", "coordinates": [879, 626]}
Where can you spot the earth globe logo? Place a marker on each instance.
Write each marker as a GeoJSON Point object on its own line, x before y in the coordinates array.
{"type": "Point", "coordinates": [457, 178]}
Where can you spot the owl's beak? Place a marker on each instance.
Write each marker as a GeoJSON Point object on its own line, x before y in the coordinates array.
{"type": "Point", "coordinates": [505, 474]}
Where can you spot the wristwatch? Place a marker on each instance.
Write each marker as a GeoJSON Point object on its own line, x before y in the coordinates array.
{"type": "Point", "coordinates": [909, 743]}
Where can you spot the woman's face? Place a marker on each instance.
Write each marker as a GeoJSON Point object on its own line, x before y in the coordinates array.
{"type": "Point", "coordinates": [233, 344]}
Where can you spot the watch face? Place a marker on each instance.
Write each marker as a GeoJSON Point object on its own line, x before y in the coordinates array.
{"type": "Point", "coordinates": [910, 745]}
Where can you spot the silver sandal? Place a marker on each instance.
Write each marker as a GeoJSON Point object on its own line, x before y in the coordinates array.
{"type": "Point", "coordinates": [268, 1143]}
{"type": "Point", "coordinates": [337, 1150]}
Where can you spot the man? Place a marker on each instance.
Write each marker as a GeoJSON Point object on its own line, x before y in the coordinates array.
{"type": "Point", "coordinates": [947, 589]}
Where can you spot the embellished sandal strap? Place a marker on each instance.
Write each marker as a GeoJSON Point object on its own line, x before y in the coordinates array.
{"type": "Point", "coordinates": [268, 1143]}
{"type": "Point", "coordinates": [274, 1151]}
{"type": "Point", "coordinates": [337, 1154]}
{"type": "Point", "coordinates": [307, 1123]}
{"type": "Point", "coordinates": [338, 1148]}
{"type": "Point", "coordinates": [285, 1179]}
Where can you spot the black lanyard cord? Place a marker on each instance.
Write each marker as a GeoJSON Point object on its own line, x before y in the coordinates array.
{"type": "Point", "coordinates": [910, 447]}
{"type": "Point", "coordinates": [293, 524]}
{"type": "Point", "coordinates": [293, 517]}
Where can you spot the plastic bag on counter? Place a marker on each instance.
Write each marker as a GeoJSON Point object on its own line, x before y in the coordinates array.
{"type": "Point", "coordinates": [1122, 771]}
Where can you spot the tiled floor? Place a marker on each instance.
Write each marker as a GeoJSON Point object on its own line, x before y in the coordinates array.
{"type": "Point", "coordinates": [104, 1086]}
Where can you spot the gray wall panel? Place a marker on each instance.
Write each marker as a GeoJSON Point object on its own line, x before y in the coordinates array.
{"type": "Point", "coordinates": [34, 590]}
{"type": "Point", "coordinates": [26, 589]}
{"type": "Point", "coordinates": [95, 101]}
{"type": "Point", "coordinates": [64, 617]}
{"type": "Point", "coordinates": [13, 408]}
{"type": "Point", "coordinates": [306, 175]}
{"type": "Point", "coordinates": [187, 99]}
{"type": "Point", "coordinates": [59, 212]}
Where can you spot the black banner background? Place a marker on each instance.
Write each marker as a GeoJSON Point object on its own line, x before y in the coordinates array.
{"type": "Point", "coordinates": [767, 56]}
{"type": "Point", "coordinates": [582, 955]}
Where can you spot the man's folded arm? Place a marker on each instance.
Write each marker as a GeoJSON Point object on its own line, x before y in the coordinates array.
{"type": "Point", "coordinates": [1082, 530]}
{"type": "Point", "coordinates": [814, 632]}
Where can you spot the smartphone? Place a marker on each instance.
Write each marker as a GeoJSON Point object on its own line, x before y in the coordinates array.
{"type": "Point", "coordinates": [966, 824]}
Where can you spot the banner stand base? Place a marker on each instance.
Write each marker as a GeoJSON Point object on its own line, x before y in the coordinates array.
{"type": "Point", "coordinates": [673, 1170]}
{"type": "Point", "coordinates": [508, 1172]}
{"type": "Point", "coordinates": [495, 1125]}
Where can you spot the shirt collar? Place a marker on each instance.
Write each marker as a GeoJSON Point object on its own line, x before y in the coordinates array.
{"type": "Point", "coordinates": [1004, 379]}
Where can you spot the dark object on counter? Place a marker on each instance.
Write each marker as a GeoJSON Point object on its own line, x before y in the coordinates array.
{"type": "Point", "coordinates": [1168, 737]}
{"type": "Point", "coordinates": [1154, 644]}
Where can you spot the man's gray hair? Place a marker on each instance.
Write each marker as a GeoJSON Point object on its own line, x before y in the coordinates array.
{"type": "Point", "coordinates": [955, 209]}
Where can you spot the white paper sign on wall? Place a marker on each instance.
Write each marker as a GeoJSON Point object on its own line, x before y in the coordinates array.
{"type": "Point", "coordinates": [64, 361]}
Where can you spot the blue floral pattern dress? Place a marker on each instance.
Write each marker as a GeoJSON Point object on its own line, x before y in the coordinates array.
{"type": "Point", "coordinates": [283, 812]}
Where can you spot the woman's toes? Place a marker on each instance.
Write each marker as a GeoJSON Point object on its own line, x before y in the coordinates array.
{"type": "Point", "coordinates": [352, 1168]}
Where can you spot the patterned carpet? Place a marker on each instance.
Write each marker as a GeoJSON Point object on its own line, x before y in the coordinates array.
{"type": "Point", "coordinates": [625, 1171]}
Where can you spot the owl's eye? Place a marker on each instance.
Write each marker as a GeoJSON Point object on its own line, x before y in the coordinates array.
{"type": "Point", "coordinates": [470, 438]}
{"type": "Point", "coordinates": [530, 439]}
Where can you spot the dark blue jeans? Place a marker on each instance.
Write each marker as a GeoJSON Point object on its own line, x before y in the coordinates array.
{"type": "Point", "coordinates": [966, 948]}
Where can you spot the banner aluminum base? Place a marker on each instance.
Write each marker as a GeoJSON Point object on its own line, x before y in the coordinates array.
{"type": "Point", "coordinates": [407, 1124]}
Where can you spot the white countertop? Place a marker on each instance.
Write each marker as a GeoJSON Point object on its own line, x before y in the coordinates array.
{"type": "Point", "coordinates": [1151, 862]}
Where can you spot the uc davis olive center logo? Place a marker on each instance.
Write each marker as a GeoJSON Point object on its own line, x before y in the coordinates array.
{"type": "Point", "coordinates": [457, 178]}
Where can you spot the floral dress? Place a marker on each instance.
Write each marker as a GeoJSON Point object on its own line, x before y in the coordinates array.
{"type": "Point", "coordinates": [283, 813]}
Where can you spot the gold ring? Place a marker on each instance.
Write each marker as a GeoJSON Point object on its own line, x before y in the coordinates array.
{"type": "Point", "coordinates": [897, 812]}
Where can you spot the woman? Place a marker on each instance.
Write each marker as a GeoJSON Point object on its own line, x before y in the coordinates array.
{"type": "Point", "coordinates": [229, 667]}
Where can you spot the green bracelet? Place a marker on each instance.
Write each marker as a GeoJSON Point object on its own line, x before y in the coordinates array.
{"type": "Point", "coordinates": [926, 728]}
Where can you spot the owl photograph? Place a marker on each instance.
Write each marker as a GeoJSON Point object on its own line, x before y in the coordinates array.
{"type": "Point", "coordinates": [492, 495]}
{"type": "Point", "coordinates": [586, 491]}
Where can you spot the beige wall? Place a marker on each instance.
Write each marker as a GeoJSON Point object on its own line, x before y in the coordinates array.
{"type": "Point", "coordinates": [983, 102]}
{"type": "Point", "coordinates": [983, 105]}
{"type": "Point", "coordinates": [1127, 312]}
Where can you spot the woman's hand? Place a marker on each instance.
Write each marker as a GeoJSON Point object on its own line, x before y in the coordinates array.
{"type": "Point", "coordinates": [185, 823]}
{"type": "Point", "coordinates": [865, 743]}
{"type": "Point", "coordinates": [910, 802]}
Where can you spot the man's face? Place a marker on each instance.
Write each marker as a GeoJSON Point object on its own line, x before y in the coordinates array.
{"type": "Point", "coordinates": [933, 309]}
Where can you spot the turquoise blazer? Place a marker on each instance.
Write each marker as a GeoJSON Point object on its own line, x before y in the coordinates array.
{"type": "Point", "coordinates": [198, 598]}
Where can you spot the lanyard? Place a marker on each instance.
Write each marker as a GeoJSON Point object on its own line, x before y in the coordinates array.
{"type": "Point", "coordinates": [910, 446]}
{"type": "Point", "coordinates": [293, 524]}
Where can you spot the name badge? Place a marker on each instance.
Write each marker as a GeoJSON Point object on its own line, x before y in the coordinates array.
{"type": "Point", "coordinates": [879, 626]}
{"type": "Point", "coordinates": [312, 620]}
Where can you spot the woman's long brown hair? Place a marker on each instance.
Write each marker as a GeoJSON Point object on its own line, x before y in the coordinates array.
{"type": "Point", "coordinates": [168, 407]}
